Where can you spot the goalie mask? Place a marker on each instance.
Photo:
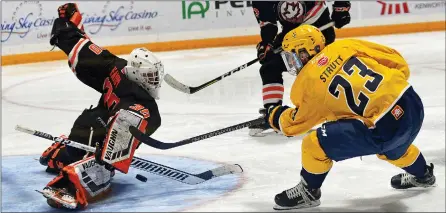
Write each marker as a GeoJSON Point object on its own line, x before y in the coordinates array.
{"type": "Point", "coordinates": [144, 68]}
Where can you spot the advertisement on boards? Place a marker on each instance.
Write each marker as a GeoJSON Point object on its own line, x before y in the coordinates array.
{"type": "Point", "coordinates": [31, 21]}
{"type": "Point", "coordinates": [376, 9]}
{"type": "Point", "coordinates": [197, 15]}
{"type": "Point", "coordinates": [25, 21]}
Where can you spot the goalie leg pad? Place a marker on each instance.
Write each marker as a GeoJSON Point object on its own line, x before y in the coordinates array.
{"type": "Point", "coordinates": [80, 182]}
{"type": "Point", "coordinates": [119, 144]}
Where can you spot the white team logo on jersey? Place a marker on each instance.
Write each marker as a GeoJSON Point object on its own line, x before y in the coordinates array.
{"type": "Point", "coordinates": [324, 131]}
{"type": "Point", "coordinates": [291, 11]}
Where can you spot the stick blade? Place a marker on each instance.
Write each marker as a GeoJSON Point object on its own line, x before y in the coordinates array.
{"type": "Point", "coordinates": [176, 84]}
{"type": "Point", "coordinates": [148, 140]}
{"type": "Point", "coordinates": [24, 129]}
{"type": "Point", "coordinates": [221, 171]}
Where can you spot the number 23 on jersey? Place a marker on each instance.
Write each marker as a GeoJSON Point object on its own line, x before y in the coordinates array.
{"type": "Point", "coordinates": [357, 102]}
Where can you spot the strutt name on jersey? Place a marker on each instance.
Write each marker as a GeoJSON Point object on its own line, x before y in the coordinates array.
{"type": "Point", "coordinates": [347, 79]}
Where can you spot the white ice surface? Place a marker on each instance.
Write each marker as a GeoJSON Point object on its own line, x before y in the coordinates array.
{"type": "Point", "coordinates": [48, 97]}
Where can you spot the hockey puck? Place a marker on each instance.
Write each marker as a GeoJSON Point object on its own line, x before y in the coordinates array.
{"type": "Point", "coordinates": [141, 178]}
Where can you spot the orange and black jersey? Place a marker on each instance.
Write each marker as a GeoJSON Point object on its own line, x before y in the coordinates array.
{"type": "Point", "coordinates": [290, 15]}
{"type": "Point", "coordinates": [96, 67]}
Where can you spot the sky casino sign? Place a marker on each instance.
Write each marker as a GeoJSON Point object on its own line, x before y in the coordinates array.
{"type": "Point", "coordinates": [26, 18]}
{"type": "Point", "coordinates": [115, 14]}
{"type": "Point", "coordinates": [31, 21]}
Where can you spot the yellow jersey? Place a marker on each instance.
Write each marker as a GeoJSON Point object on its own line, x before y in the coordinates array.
{"type": "Point", "coordinates": [348, 79]}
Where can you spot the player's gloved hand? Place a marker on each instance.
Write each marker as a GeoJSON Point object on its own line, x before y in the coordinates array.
{"type": "Point", "coordinates": [50, 152]}
{"type": "Point", "coordinates": [56, 157]}
{"type": "Point", "coordinates": [63, 31]}
{"type": "Point", "coordinates": [264, 49]}
{"type": "Point", "coordinates": [69, 11]}
{"type": "Point", "coordinates": [340, 14]}
{"type": "Point", "coordinates": [273, 115]}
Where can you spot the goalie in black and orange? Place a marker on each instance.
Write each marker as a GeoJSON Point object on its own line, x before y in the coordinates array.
{"type": "Point", "coordinates": [128, 91]}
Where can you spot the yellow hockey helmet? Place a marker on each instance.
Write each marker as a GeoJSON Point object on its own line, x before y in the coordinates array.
{"type": "Point", "coordinates": [300, 45]}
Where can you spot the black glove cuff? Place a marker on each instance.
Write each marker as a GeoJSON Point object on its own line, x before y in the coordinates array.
{"type": "Point", "coordinates": [341, 6]}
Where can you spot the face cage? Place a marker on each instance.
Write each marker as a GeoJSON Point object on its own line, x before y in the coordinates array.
{"type": "Point", "coordinates": [153, 80]}
{"type": "Point", "coordinates": [292, 62]}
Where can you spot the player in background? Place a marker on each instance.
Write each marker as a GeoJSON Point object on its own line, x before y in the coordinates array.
{"type": "Point", "coordinates": [128, 91]}
{"type": "Point", "coordinates": [290, 14]}
{"type": "Point", "coordinates": [359, 91]}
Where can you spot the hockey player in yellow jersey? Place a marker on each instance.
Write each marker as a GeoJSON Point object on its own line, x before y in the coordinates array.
{"type": "Point", "coordinates": [358, 91]}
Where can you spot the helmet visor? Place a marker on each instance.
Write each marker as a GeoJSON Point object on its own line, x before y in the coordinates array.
{"type": "Point", "coordinates": [292, 62]}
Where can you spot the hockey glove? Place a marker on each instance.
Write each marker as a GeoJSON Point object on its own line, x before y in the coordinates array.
{"type": "Point", "coordinates": [50, 153]}
{"type": "Point", "coordinates": [264, 49]}
{"type": "Point", "coordinates": [65, 35]}
{"type": "Point", "coordinates": [341, 15]}
{"type": "Point", "coordinates": [273, 115]}
{"type": "Point", "coordinates": [71, 13]}
{"type": "Point", "coordinates": [56, 157]}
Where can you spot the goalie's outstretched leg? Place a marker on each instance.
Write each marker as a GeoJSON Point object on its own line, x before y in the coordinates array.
{"type": "Point", "coordinates": [77, 184]}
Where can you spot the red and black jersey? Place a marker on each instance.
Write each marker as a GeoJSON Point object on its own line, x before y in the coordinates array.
{"type": "Point", "coordinates": [96, 67]}
{"type": "Point", "coordinates": [92, 65]}
{"type": "Point", "coordinates": [290, 14]}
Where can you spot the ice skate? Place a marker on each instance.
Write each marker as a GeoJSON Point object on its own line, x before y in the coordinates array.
{"type": "Point", "coordinates": [406, 180]}
{"type": "Point", "coordinates": [298, 197]}
{"type": "Point", "coordinates": [59, 198]}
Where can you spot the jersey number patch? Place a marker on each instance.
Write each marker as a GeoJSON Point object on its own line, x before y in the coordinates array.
{"type": "Point", "coordinates": [110, 98]}
{"type": "Point", "coordinates": [358, 106]}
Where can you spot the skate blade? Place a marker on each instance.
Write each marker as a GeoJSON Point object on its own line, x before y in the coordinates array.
{"type": "Point", "coordinates": [262, 133]}
{"type": "Point", "coordinates": [417, 188]}
{"type": "Point", "coordinates": [42, 193]}
{"type": "Point", "coordinates": [66, 204]}
{"type": "Point", "coordinates": [313, 204]}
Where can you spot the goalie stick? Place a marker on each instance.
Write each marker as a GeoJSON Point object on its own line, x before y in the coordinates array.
{"type": "Point", "coordinates": [162, 145]}
{"type": "Point", "coordinates": [191, 90]}
{"type": "Point", "coordinates": [146, 165]}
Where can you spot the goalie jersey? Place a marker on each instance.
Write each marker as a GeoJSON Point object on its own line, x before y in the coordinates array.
{"type": "Point", "coordinates": [348, 79]}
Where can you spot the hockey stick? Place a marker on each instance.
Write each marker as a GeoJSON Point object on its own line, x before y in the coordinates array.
{"type": "Point", "coordinates": [191, 90]}
{"type": "Point", "coordinates": [146, 165]}
{"type": "Point", "coordinates": [181, 176]}
{"type": "Point", "coordinates": [162, 145]}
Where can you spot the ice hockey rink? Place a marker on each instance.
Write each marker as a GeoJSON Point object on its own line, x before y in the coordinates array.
{"type": "Point", "coordinates": [48, 97]}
